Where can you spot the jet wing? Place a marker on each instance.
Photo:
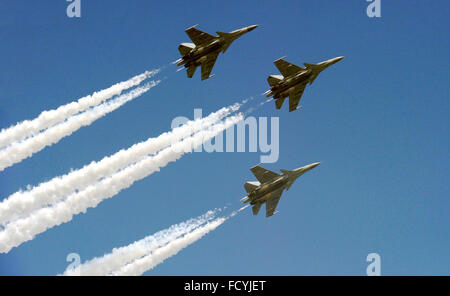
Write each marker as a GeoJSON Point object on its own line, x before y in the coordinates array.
{"type": "Point", "coordinates": [272, 202]}
{"type": "Point", "coordinates": [295, 96]}
{"type": "Point", "coordinates": [287, 69]}
{"type": "Point", "coordinates": [262, 174]}
{"type": "Point", "coordinates": [199, 37]}
{"type": "Point", "coordinates": [208, 65]}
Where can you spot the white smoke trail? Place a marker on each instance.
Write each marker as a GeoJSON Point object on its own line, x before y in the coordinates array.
{"type": "Point", "coordinates": [49, 118]}
{"type": "Point", "coordinates": [119, 257]}
{"type": "Point", "coordinates": [19, 231]}
{"type": "Point", "coordinates": [141, 265]}
{"type": "Point", "coordinates": [24, 202]}
{"type": "Point", "coordinates": [18, 151]}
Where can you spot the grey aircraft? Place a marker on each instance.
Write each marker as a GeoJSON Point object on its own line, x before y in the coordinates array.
{"type": "Point", "coordinates": [205, 49]}
{"type": "Point", "coordinates": [270, 186]}
{"type": "Point", "coordinates": [293, 81]}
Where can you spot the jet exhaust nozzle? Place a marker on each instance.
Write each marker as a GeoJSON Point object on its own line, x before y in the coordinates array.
{"type": "Point", "coordinates": [245, 199]}
{"type": "Point", "coordinates": [177, 61]}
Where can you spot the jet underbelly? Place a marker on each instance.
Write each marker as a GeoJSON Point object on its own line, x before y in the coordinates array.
{"type": "Point", "coordinates": [288, 84]}
{"type": "Point", "coordinates": [264, 191]}
{"type": "Point", "coordinates": [205, 50]}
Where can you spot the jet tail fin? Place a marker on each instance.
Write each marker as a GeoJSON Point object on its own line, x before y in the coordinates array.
{"type": "Point", "coordinates": [191, 71]}
{"type": "Point", "coordinates": [256, 208]}
{"type": "Point", "coordinates": [279, 103]}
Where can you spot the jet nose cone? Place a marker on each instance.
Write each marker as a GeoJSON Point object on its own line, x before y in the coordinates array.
{"type": "Point", "coordinates": [251, 28]}
{"type": "Point", "coordinates": [310, 166]}
{"type": "Point", "coordinates": [313, 165]}
{"type": "Point", "coordinates": [334, 61]}
{"type": "Point", "coordinates": [337, 59]}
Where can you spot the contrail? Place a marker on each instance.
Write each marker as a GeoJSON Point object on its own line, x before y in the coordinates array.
{"type": "Point", "coordinates": [119, 257]}
{"type": "Point", "coordinates": [18, 151]}
{"type": "Point", "coordinates": [23, 203]}
{"type": "Point", "coordinates": [49, 118]}
{"type": "Point", "coordinates": [19, 231]}
{"type": "Point", "coordinates": [141, 265]}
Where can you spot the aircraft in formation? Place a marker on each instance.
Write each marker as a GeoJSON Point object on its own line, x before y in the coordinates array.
{"type": "Point", "coordinates": [205, 49]}
{"type": "Point", "coordinates": [291, 83]}
{"type": "Point", "coordinates": [270, 186]}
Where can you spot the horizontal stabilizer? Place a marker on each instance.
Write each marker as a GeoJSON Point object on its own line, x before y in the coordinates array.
{"type": "Point", "coordinates": [274, 79]}
{"type": "Point", "coordinates": [250, 186]}
{"type": "Point", "coordinates": [185, 48]}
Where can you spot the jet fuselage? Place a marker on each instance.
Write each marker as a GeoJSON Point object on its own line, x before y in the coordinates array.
{"type": "Point", "coordinates": [195, 56]}
{"type": "Point", "coordinates": [262, 193]}
{"type": "Point", "coordinates": [283, 89]}
{"type": "Point", "coordinates": [205, 49]}
{"type": "Point", "coordinates": [270, 186]}
{"type": "Point", "coordinates": [199, 52]}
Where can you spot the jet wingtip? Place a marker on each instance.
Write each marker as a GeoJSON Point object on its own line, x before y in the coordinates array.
{"type": "Point", "coordinates": [256, 165]}
{"type": "Point", "coordinates": [283, 57]}
{"type": "Point", "coordinates": [192, 27]}
{"type": "Point", "coordinates": [210, 76]}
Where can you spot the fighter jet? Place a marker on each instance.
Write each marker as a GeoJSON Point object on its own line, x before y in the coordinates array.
{"type": "Point", "coordinates": [270, 187]}
{"type": "Point", "coordinates": [293, 81]}
{"type": "Point", "coordinates": [205, 49]}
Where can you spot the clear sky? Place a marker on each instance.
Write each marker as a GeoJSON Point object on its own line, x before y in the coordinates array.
{"type": "Point", "coordinates": [377, 120]}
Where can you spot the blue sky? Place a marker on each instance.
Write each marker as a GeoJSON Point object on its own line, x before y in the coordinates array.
{"type": "Point", "coordinates": [377, 120]}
